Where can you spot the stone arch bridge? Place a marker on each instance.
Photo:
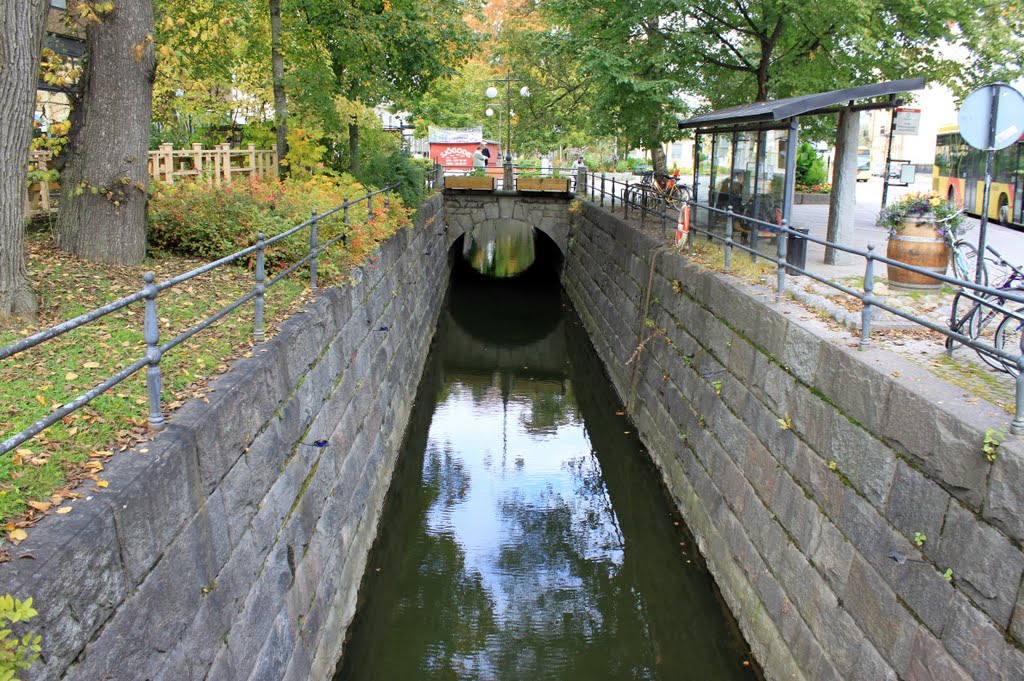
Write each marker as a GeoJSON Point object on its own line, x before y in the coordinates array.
{"type": "Point", "coordinates": [547, 212]}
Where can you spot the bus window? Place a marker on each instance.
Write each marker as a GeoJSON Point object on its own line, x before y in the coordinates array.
{"type": "Point", "coordinates": [863, 164]}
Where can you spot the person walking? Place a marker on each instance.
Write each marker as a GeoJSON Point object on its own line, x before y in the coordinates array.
{"type": "Point", "coordinates": [479, 160]}
{"type": "Point", "coordinates": [545, 166]}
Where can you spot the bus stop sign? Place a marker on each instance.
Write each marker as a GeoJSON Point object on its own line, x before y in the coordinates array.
{"type": "Point", "coordinates": [976, 117]}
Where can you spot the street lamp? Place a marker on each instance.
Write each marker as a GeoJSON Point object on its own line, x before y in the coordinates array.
{"type": "Point", "coordinates": [492, 93]}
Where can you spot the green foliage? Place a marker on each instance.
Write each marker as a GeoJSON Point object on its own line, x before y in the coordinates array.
{"type": "Point", "coordinates": [196, 220]}
{"type": "Point", "coordinates": [993, 438]}
{"type": "Point", "coordinates": [948, 575]}
{"type": "Point", "coordinates": [809, 168]}
{"type": "Point", "coordinates": [16, 654]}
{"type": "Point", "coordinates": [397, 166]}
{"type": "Point", "coordinates": [920, 538]}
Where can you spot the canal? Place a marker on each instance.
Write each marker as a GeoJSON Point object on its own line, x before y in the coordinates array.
{"type": "Point", "coordinates": [526, 534]}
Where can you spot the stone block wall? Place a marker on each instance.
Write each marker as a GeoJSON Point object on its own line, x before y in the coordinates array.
{"type": "Point", "coordinates": [230, 547]}
{"type": "Point", "coordinates": [803, 464]}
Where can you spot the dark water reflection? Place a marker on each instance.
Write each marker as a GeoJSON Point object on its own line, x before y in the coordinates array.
{"type": "Point", "coordinates": [526, 535]}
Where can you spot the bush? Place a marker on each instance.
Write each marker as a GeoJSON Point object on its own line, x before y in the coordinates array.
{"type": "Point", "coordinates": [16, 654]}
{"type": "Point", "coordinates": [809, 168]}
{"type": "Point", "coordinates": [397, 166]}
{"type": "Point", "coordinates": [196, 220]}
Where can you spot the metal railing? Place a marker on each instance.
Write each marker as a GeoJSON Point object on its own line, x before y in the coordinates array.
{"type": "Point", "coordinates": [151, 330]}
{"type": "Point", "coordinates": [602, 189]}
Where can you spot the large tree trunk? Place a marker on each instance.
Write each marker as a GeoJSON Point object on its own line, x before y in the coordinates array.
{"type": "Point", "coordinates": [844, 187]}
{"type": "Point", "coordinates": [658, 160]}
{"type": "Point", "coordinates": [280, 99]}
{"type": "Point", "coordinates": [102, 214]}
{"type": "Point", "coordinates": [353, 146]}
{"type": "Point", "coordinates": [22, 26]}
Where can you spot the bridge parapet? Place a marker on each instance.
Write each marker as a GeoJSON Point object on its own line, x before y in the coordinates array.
{"type": "Point", "coordinates": [548, 213]}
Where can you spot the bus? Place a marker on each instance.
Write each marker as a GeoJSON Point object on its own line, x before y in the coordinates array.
{"type": "Point", "coordinates": [863, 164]}
{"type": "Point", "coordinates": [959, 175]}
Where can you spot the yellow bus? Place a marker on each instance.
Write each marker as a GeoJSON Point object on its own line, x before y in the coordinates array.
{"type": "Point", "coordinates": [863, 164]}
{"type": "Point", "coordinates": [959, 175]}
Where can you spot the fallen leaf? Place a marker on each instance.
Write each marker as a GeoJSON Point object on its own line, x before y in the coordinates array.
{"type": "Point", "coordinates": [17, 536]}
{"type": "Point", "coordinates": [91, 365]}
{"type": "Point", "coordinates": [70, 376]}
{"type": "Point", "coordinates": [102, 483]}
{"type": "Point", "coordinates": [64, 510]}
{"type": "Point", "coordinates": [41, 400]}
{"type": "Point", "coordinates": [40, 505]}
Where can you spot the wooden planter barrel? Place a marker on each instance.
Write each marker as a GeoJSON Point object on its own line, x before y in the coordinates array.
{"type": "Point", "coordinates": [468, 182]}
{"type": "Point", "coordinates": [919, 244]}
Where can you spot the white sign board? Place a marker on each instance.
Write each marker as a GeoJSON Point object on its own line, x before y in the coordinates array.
{"type": "Point", "coordinates": [908, 121]}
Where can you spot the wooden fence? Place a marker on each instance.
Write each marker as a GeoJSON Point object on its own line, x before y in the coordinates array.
{"type": "Point", "coordinates": [167, 165]}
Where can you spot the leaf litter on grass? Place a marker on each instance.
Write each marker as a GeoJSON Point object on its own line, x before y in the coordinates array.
{"type": "Point", "coordinates": [41, 474]}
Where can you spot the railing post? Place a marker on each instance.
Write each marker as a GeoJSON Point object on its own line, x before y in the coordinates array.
{"type": "Point", "coordinates": [728, 239]}
{"type": "Point", "coordinates": [869, 287]}
{"type": "Point", "coordinates": [602, 190]}
{"type": "Point", "coordinates": [151, 334]}
{"type": "Point", "coordinates": [781, 266]}
{"type": "Point", "coordinates": [1017, 425]}
{"type": "Point", "coordinates": [387, 199]}
{"type": "Point", "coordinates": [643, 208]}
{"type": "Point", "coordinates": [261, 276]}
{"type": "Point", "coordinates": [625, 200]}
{"type": "Point", "coordinates": [507, 182]}
{"type": "Point", "coordinates": [664, 215]}
{"type": "Point", "coordinates": [369, 208]}
{"type": "Point", "coordinates": [613, 192]}
{"type": "Point", "coordinates": [691, 231]}
{"type": "Point", "coordinates": [313, 252]}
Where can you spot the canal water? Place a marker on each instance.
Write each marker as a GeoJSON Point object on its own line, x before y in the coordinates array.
{"type": "Point", "coordinates": [526, 534]}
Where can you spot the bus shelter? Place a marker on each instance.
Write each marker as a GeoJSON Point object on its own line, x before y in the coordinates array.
{"type": "Point", "coordinates": [744, 157]}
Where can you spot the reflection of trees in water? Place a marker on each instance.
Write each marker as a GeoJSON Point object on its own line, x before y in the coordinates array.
{"type": "Point", "coordinates": [500, 248]}
{"type": "Point", "coordinates": [568, 611]}
{"type": "Point", "coordinates": [549, 411]}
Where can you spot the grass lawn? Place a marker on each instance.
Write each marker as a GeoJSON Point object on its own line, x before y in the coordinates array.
{"type": "Point", "coordinates": [39, 476]}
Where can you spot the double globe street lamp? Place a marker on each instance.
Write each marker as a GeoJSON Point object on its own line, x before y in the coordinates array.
{"type": "Point", "coordinates": [492, 93]}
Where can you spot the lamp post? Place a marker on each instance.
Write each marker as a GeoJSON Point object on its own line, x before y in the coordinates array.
{"type": "Point", "coordinates": [492, 93]}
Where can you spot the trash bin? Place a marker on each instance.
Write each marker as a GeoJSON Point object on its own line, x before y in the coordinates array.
{"type": "Point", "coordinates": [796, 250]}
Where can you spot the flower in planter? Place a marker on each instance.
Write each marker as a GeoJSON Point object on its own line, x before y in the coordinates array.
{"type": "Point", "coordinates": [922, 207]}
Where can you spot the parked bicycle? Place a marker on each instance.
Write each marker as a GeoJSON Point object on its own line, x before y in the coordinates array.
{"type": "Point", "coordinates": [655, 189]}
{"type": "Point", "coordinates": [976, 314]}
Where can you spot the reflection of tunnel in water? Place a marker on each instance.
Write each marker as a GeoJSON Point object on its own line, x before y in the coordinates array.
{"type": "Point", "coordinates": [529, 303]}
{"type": "Point", "coordinates": [500, 248]}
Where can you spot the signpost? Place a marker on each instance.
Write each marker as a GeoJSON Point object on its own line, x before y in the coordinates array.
{"type": "Point", "coordinates": [991, 118]}
{"type": "Point", "coordinates": [907, 122]}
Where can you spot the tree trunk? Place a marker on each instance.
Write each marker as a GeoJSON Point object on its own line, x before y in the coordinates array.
{"type": "Point", "coordinates": [658, 160]}
{"type": "Point", "coordinates": [353, 147]}
{"type": "Point", "coordinates": [22, 26]}
{"type": "Point", "coordinates": [280, 99]}
{"type": "Point", "coordinates": [843, 200]}
{"type": "Point", "coordinates": [102, 214]}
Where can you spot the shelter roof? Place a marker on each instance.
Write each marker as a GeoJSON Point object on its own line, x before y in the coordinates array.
{"type": "Point", "coordinates": [773, 112]}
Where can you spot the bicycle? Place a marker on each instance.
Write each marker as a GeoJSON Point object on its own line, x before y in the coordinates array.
{"type": "Point", "coordinates": [654, 189]}
{"type": "Point", "coordinates": [986, 310]}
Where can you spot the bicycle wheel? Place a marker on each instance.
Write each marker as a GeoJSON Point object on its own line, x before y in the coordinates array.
{"type": "Point", "coordinates": [964, 308]}
{"type": "Point", "coordinates": [965, 262]}
{"type": "Point", "coordinates": [1008, 339]}
{"type": "Point", "coordinates": [684, 192]}
{"type": "Point", "coordinates": [984, 322]}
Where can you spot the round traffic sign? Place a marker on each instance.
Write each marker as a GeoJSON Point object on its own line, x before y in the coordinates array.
{"type": "Point", "coordinates": [975, 117]}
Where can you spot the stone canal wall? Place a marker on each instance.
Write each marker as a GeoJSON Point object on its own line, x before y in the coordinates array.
{"type": "Point", "coordinates": [802, 464]}
{"type": "Point", "coordinates": [230, 547]}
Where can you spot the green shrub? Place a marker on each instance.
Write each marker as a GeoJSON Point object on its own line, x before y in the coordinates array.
{"type": "Point", "coordinates": [383, 169]}
{"type": "Point", "coordinates": [16, 654]}
{"type": "Point", "coordinates": [195, 220]}
{"type": "Point", "coordinates": [810, 170]}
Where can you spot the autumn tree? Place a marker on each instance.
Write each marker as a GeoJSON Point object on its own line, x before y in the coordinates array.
{"type": "Point", "coordinates": [21, 41]}
{"type": "Point", "coordinates": [388, 50]}
{"type": "Point", "coordinates": [102, 215]}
